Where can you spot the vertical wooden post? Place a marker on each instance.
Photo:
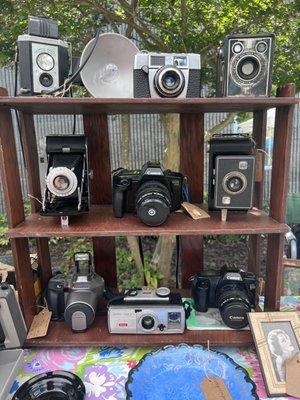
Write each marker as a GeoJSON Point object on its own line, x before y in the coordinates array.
{"type": "Point", "coordinates": [192, 165]}
{"type": "Point", "coordinates": [259, 136]}
{"type": "Point", "coordinates": [28, 138]}
{"type": "Point", "coordinates": [96, 130]}
{"type": "Point", "coordinates": [278, 200]}
{"type": "Point", "coordinates": [15, 213]}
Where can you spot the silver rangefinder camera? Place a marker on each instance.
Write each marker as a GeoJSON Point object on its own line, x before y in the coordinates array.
{"type": "Point", "coordinates": [159, 75]}
{"type": "Point", "coordinates": [144, 311]}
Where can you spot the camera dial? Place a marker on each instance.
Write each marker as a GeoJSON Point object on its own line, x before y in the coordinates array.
{"type": "Point", "coordinates": [169, 81]}
{"type": "Point", "coordinates": [61, 181]}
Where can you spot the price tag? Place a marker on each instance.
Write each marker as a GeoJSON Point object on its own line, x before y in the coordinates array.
{"type": "Point", "coordinates": [215, 389]}
{"type": "Point", "coordinates": [194, 211]}
{"type": "Point", "coordinates": [40, 324]}
{"type": "Point", "coordinates": [292, 374]}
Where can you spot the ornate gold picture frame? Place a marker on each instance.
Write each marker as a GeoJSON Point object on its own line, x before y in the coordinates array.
{"type": "Point", "coordinates": [277, 338]}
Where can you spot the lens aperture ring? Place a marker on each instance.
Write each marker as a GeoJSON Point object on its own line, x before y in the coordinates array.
{"type": "Point", "coordinates": [171, 74]}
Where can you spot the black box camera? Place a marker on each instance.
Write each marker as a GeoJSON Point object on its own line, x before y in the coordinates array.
{"type": "Point", "coordinates": [231, 172]}
{"type": "Point", "coordinates": [244, 65]}
{"type": "Point", "coordinates": [167, 75]}
{"type": "Point", "coordinates": [44, 59]}
{"type": "Point", "coordinates": [74, 297]}
{"type": "Point", "coordinates": [151, 192]}
{"type": "Point", "coordinates": [67, 177]}
{"type": "Point", "coordinates": [230, 290]}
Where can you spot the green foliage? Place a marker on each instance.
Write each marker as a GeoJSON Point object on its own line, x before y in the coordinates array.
{"type": "Point", "coordinates": [4, 241]}
{"type": "Point", "coordinates": [128, 275]}
{"type": "Point", "coordinates": [177, 25]}
{"type": "Point", "coordinates": [153, 277]}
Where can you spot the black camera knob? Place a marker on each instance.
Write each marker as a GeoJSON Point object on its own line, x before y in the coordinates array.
{"type": "Point", "coordinates": [124, 183]}
{"type": "Point", "coordinates": [161, 327]}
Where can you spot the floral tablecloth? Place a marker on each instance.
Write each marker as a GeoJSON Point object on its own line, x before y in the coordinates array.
{"type": "Point", "coordinates": [104, 370]}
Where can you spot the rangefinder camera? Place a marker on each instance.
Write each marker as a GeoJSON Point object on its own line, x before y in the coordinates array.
{"type": "Point", "coordinates": [151, 192]}
{"type": "Point", "coordinates": [167, 75]}
{"type": "Point", "coordinates": [147, 312]}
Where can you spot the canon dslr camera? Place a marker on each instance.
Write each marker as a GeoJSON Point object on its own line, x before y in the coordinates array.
{"type": "Point", "coordinates": [232, 291]}
{"type": "Point", "coordinates": [166, 75]}
{"type": "Point", "coordinates": [151, 192]}
{"type": "Point", "coordinates": [74, 297]}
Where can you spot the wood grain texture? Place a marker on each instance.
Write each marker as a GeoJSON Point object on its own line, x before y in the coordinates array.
{"type": "Point", "coordinates": [30, 149]}
{"type": "Point", "coordinates": [92, 106]}
{"type": "Point", "coordinates": [96, 130]}
{"type": "Point", "coordinates": [10, 179]}
{"type": "Point", "coordinates": [60, 335]}
{"type": "Point", "coordinates": [100, 221]}
{"type": "Point", "coordinates": [192, 165]}
{"type": "Point", "coordinates": [259, 136]}
{"type": "Point", "coordinates": [278, 200]}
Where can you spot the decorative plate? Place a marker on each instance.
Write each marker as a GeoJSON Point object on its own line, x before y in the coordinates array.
{"type": "Point", "coordinates": [176, 372]}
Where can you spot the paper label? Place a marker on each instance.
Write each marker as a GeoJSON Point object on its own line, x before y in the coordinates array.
{"type": "Point", "coordinates": [292, 374]}
{"type": "Point", "coordinates": [259, 166]}
{"type": "Point", "coordinates": [215, 389]}
{"type": "Point", "coordinates": [40, 324]}
{"type": "Point", "coordinates": [194, 211]}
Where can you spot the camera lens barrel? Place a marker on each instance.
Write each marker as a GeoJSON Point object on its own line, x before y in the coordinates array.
{"type": "Point", "coordinates": [169, 81]}
{"type": "Point", "coordinates": [153, 203]}
{"type": "Point", "coordinates": [80, 309]}
{"type": "Point", "coordinates": [234, 305]}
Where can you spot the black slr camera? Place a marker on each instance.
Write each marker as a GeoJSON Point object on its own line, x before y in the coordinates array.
{"type": "Point", "coordinates": [74, 297]}
{"type": "Point", "coordinates": [231, 172]}
{"type": "Point", "coordinates": [67, 178]}
{"type": "Point", "coordinates": [232, 291]}
{"type": "Point", "coordinates": [151, 192]}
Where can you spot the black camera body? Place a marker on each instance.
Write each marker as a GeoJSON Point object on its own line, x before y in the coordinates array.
{"type": "Point", "coordinates": [158, 75]}
{"type": "Point", "coordinates": [230, 290]}
{"type": "Point", "coordinates": [151, 192]}
{"type": "Point", "coordinates": [231, 172]}
{"type": "Point", "coordinates": [44, 60]}
{"type": "Point", "coordinates": [67, 177]}
{"type": "Point", "coordinates": [244, 65]}
{"type": "Point", "coordinates": [74, 297]}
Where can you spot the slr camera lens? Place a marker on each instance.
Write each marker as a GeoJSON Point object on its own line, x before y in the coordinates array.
{"type": "Point", "coordinates": [169, 81]}
{"type": "Point", "coordinates": [148, 322]}
{"type": "Point", "coordinates": [46, 79]}
{"type": "Point", "coordinates": [153, 203]}
{"type": "Point", "coordinates": [233, 304]}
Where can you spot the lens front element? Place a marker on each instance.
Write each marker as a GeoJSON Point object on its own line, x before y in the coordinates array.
{"type": "Point", "coordinates": [45, 61]}
{"type": "Point", "coordinates": [169, 81]}
{"type": "Point", "coordinates": [61, 181]}
{"type": "Point", "coordinates": [234, 183]}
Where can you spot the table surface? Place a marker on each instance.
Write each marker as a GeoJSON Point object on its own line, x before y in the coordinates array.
{"type": "Point", "coordinates": [104, 370]}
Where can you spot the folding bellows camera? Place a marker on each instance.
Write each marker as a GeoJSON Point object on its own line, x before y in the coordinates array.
{"type": "Point", "coordinates": [67, 177]}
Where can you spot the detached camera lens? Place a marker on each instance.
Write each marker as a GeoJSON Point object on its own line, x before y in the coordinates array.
{"type": "Point", "coordinates": [148, 322]}
{"type": "Point", "coordinates": [46, 80]}
{"type": "Point", "coordinates": [45, 61]}
{"type": "Point", "coordinates": [169, 81]}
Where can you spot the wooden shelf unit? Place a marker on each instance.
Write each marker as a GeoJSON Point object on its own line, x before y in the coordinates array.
{"type": "Point", "coordinates": [102, 226]}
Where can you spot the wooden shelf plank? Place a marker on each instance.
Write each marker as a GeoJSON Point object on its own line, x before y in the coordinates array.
{"type": "Point", "coordinates": [60, 335]}
{"type": "Point", "coordinates": [100, 221]}
{"type": "Point", "coordinates": [52, 105]}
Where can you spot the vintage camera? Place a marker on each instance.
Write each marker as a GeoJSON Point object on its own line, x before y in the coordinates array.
{"type": "Point", "coordinates": [13, 330]}
{"type": "Point", "coordinates": [44, 59]}
{"type": "Point", "coordinates": [67, 177]}
{"type": "Point", "coordinates": [231, 172]}
{"type": "Point", "coordinates": [232, 291]}
{"type": "Point", "coordinates": [74, 297]}
{"type": "Point", "coordinates": [167, 75]}
{"type": "Point", "coordinates": [151, 192]}
{"type": "Point", "coordinates": [147, 312]}
{"type": "Point", "coordinates": [244, 65]}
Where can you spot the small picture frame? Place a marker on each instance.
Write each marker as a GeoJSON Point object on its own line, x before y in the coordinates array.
{"type": "Point", "coordinates": [277, 338]}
